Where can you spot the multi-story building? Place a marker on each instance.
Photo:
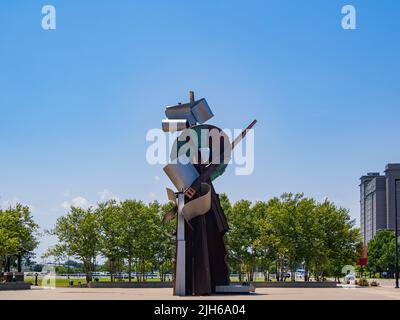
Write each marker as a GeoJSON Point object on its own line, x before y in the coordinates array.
{"type": "Point", "coordinates": [377, 201]}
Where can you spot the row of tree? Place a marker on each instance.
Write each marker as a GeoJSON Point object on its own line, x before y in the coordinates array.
{"type": "Point", "coordinates": [290, 232]}
{"type": "Point", "coordinates": [128, 231]}
{"type": "Point", "coordinates": [277, 236]}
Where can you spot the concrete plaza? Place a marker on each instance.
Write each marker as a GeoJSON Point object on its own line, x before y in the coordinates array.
{"type": "Point", "coordinates": [371, 293]}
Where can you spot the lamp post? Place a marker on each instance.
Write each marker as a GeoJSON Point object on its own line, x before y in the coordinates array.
{"type": "Point", "coordinates": [396, 257]}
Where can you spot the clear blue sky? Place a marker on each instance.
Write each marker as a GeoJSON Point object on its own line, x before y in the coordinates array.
{"type": "Point", "coordinates": [76, 102]}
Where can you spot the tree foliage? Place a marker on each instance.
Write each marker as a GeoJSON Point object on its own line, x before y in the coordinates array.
{"type": "Point", "coordinates": [79, 237]}
{"type": "Point", "coordinates": [381, 250]}
{"type": "Point", "coordinates": [18, 233]}
{"type": "Point", "coordinates": [279, 235]}
{"type": "Point", "coordinates": [289, 232]}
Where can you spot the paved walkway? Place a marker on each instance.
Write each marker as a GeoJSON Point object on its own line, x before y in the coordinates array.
{"type": "Point", "coordinates": [166, 294]}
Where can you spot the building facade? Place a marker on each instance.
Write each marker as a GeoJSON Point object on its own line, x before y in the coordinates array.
{"type": "Point", "coordinates": [377, 201]}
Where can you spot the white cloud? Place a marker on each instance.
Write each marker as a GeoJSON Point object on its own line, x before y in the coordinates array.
{"type": "Point", "coordinates": [152, 195]}
{"type": "Point", "coordinates": [83, 203]}
{"type": "Point", "coordinates": [9, 203]}
{"type": "Point", "coordinates": [106, 195]}
{"type": "Point", "coordinates": [65, 205]}
{"type": "Point", "coordinates": [156, 178]}
{"type": "Point", "coordinates": [76, 202]}
{"type": "Point", "coordinates": [13, 202]}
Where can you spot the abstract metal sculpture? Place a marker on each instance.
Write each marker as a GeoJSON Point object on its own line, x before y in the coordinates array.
{"type": "Point", "coordinates": [200, 154]}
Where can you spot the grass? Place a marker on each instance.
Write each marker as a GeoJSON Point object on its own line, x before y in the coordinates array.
{"type": "Point", "coordinates": [64, 282]}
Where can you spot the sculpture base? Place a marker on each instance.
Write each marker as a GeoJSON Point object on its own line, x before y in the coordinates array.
{"type": "Point", "coordinates": [235, 289]}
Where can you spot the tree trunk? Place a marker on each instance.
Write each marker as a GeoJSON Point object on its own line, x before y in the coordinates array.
{"type": "Point", "coordinates": [3, 265]}
{"type": "Point", "coordinates": [142, 271]}
{"type": "Point", "coordinates": [129, 269]}
{"type": "Point", "coordinates": [8, 264]}
{"type": "Point", "coordinates": [110, 267]}
{"type": "Point", "coordinates": [87, 266]}
{"type": "Point", "coordinates": [19, 262]}
{"type": "Point", "coordinates": [111, 263]}
{"type": "Point", "coordinates": [306, 273]}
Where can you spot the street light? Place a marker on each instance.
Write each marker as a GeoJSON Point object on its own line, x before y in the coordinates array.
{"type": "Point", "coordinates": [396, 257]}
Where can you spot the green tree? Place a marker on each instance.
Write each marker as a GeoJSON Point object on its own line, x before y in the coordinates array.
{"type": "Point", "coordinates": [339, 240]}
{"type": "Point", "coordinates": [78, 236]}
{"type": "Point", "coordinates": [164, 243]}
{"type": "Point", "coordinates": [294, 230]}
{"type": "Point", "coordinates": [241, 239]}
{"type": "Point", "coordinates": [381, 252]}
{"type": "Point", "coordinates": [150, 235]}
{"type": "Point", "coordinates": [110, 216]}
{"type": "Point", "coordinates": [135, 230]}
{"type": "Point", "coordinates": [307, 235]}
{"type": "Point", "coordinates": [18, 233]}
{"type": "Point", "coordinates": [289, 217]}
{"type": "Point", "coordinates": [266, 242]}
{"type": "Point", "coordinates": [8, 239]}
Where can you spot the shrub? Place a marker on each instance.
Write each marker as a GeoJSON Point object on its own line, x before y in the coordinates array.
{"type": "Point", "coordinates": [374, 283]}
{"type": "Point", "coordinates": [363, 282]}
